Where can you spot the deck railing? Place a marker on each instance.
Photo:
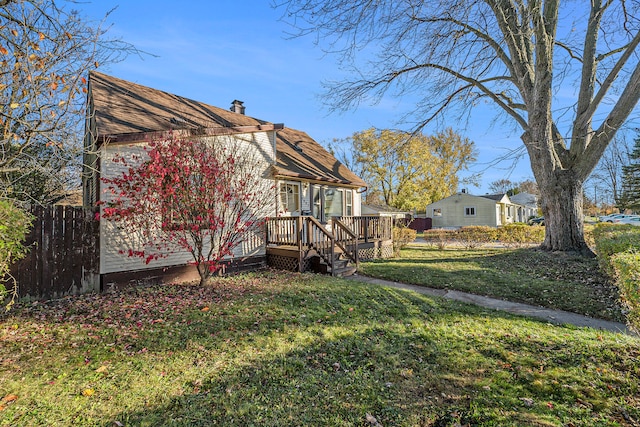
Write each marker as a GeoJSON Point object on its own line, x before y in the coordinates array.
{"type": "Point", "coordinates": [307, 233]}
{"type": "Point", "coordinates": [369, 228]}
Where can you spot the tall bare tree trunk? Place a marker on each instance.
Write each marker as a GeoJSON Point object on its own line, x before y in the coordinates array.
{"type": "Point", "coordinates": [560, 182]}
{"type": "Point", "coordinates": [561, 196]}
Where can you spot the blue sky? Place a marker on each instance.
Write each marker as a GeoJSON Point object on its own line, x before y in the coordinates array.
{"type": "Point", "coordinates": [215, 51]}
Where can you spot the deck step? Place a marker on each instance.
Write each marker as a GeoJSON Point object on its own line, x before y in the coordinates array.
{"type": "Point", "coordinates": [341, 266]}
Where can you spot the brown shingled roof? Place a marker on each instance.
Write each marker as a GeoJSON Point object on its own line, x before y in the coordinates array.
{"type": "Point", "coordinates": [299, 156]}
{"type": "Point", "coordinates": [121, 108]}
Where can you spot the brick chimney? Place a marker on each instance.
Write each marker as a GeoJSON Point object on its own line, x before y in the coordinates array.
{"type": "Point", "coordinates": [237, 107]}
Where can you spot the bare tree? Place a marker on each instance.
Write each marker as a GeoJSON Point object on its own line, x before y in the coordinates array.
{"type": "Point", "coordinates": [502, 185]}
{"type": "Point", "coordinates": [46, 50]}
{"type": "Point", "coordinates": [528, 186]}
{"type": "Point", "coordinates": [607, 176]}
{"type": "Point", "coordinates": [515, 54]}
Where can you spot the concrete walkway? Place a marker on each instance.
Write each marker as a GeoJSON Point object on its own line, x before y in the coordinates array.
{"type": "Point", "coordinates": [558, 317]}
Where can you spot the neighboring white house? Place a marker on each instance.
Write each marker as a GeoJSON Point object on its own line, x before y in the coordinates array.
{"type": "Point", "coordinates": [380, 210]}
{"type": "Point", "coordinates": [463, 209]}
{"type": "Point", "coordinates": [527, 206]}
{"type": "Point", "coordinates": [122, 117]}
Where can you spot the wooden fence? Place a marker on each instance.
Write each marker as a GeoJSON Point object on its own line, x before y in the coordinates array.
{"type": "Point", "coordinates": [64, 254]}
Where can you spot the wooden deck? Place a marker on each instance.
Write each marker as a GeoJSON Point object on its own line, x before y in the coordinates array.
{"type": "Point", "coordinates": [304, 244]}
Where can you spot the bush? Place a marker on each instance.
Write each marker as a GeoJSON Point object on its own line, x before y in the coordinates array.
{"type": "Point", "coordinates": [626, 266]}
{"type": "Point", "coordinates": [618, 250]}
{"type": "Point", "coordinates": [518, 235]}
{"type": "Point", "coordinates": [14, 226]}
{"type": "Point", "coordinates": [402, 236]}
{"type": "Point", "coordinates": [474, 236]}
{"type": "Point", "coordinates": [588, 235]}
{"type": "Point", "coordinates": [611, 239]}
{"type": "Point", "coordinates": [439, 237]}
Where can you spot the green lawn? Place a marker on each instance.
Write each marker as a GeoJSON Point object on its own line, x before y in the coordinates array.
{"type": "Point", "coordinates": [278, 349]}
{"type": "Point", "coordinates": [531, 276]}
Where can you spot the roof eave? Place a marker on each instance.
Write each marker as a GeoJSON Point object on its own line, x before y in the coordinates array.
{"type": "Point", "coordinates": [125, 138]}
{"type": "Point", "coordinates": [317, 179]}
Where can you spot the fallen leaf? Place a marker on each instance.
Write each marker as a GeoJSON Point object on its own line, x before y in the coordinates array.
{"type": "Point", "coordinates": [88, 392]}
{"type": "Point", "coordinates": [9, 398]}
{"type": "Point", "coordinates": [102, 369]}
{"type": "Point", "coordinates": [204, 309]}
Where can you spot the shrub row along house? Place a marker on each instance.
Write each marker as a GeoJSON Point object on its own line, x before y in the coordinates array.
{"type": "Point", "coordinates": [312, 202]}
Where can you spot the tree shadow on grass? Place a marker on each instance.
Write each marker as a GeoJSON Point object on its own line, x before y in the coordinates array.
{"type": "Point", "coordinates": [471, 367]}
{"type": "Point", "coordinates": [530, 276]}
{"type": "Point", "coordinates": [301, 351]}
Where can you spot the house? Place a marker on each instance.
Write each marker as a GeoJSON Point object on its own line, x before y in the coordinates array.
{"type": "Point", "coordinates": [383, 210]}
{"type": "Point", "coordinates": [311, 185]}
{"type": "Point", "coordinates": [463, 209]}
{"type": "Point", "coordinates": [527, 206]}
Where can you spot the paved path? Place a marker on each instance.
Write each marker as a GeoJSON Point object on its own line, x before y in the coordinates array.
{"type": "Point", "coordinates": [552, 316]}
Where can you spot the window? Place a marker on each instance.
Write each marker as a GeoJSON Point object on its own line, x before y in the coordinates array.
{"type": "Point", "coordinates": [289, 197]}
{"type": "Point", "coordinates": [469, 211]}
{"type": "Point", "coordinates": [348, 203]}
{"type": "Point", "coordinates": [333, 202]}
{"type": "Point", "coordinates": [317, 203]}
{"type": "Point", "coordinates": [437, 212]}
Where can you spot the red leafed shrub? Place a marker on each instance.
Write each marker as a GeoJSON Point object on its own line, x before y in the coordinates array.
{"type": "Point", "coordinates": [203, 195]}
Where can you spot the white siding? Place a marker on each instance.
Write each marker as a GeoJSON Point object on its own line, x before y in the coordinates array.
{"type": "Point", "coordinates": [453, 211]}
{"type": "Point", "coordinates": [113, 240]}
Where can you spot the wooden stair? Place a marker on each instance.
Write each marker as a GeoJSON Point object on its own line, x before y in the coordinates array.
{"type": "Point", "coordinates": [339, 267]}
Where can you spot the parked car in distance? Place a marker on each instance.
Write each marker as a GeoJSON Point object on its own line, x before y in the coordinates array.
{"type": "Point", "coordinates": [537, 221]}
{"type": "Point", "coordinates": [630, 219]}
{"type": "Point", "coordinates": [613, 217]}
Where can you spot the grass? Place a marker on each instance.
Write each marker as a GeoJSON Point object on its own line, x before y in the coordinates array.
{"type": "Point", "coordinates": [279, 349]}
{"type": "Point", "coordinates": [531, 276]}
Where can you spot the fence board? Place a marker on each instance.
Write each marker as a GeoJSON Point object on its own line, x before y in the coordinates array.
{"type": "Point", "coordinates": [64, 254]}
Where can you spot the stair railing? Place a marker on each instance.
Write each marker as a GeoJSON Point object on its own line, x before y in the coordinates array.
{"type": "Point", "coordinates": [308, 234]}
{"type": "Point", "coordinates": [321, 240]}
{"type": "Point", "coordinates": [346, 239]}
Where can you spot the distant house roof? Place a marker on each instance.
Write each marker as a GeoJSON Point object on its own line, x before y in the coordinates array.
{"type": "Point", "coordinates": [383, 209]}
{"type": "Point", "coordinates": [525, 199]}
{"type": "Point", "coordinates": [496, 197]}
{"type": "Point", "coordinates": [122, 110]}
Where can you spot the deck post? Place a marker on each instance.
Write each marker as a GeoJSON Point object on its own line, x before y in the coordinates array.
{"type": "Point", "coordinates": [299, 235]}
{"type": "Point", "coordinates": [366, 230]}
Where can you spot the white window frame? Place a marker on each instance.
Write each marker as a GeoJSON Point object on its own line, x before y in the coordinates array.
{"type": "Point", "coordinates": [437, 212]}
{"type": "Point", "coordinates": [287, 196]}
{"type": "Point", "coordinates": [470, 211]}
{"type": "Point", "coordinates": [348, 203]}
